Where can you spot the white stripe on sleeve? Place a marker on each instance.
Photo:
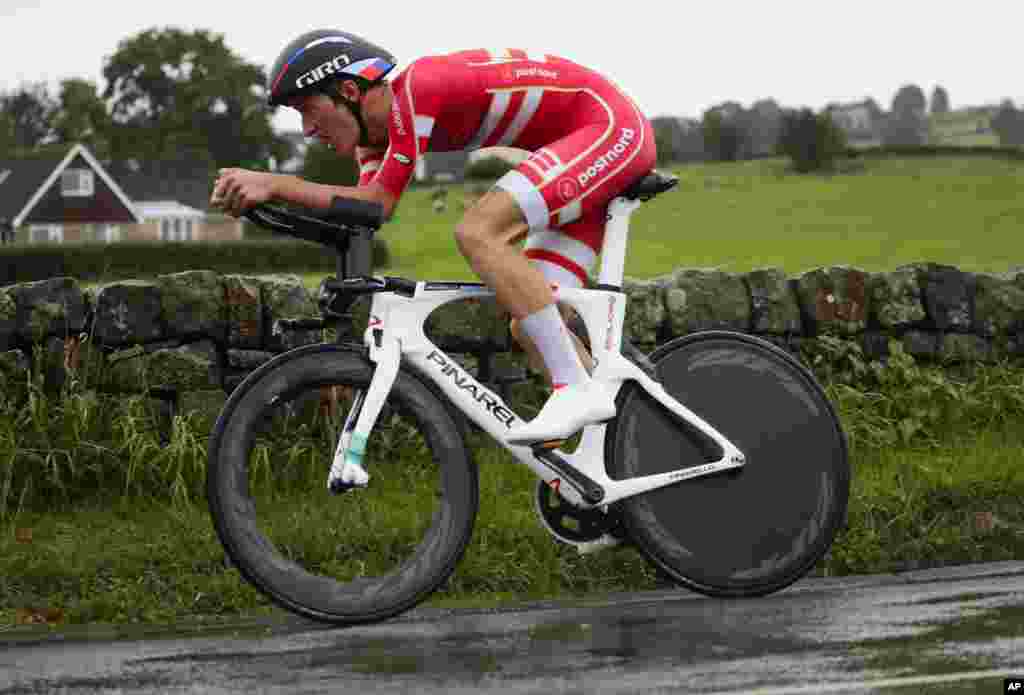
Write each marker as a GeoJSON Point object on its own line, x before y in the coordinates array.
{"type": "Point", "coordinates": [531, 102]}
{"type": "Point", "coordinates": [499, 105]}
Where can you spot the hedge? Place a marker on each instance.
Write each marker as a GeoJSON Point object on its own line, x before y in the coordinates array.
{"type": "Point", "coordinates": [488, 168]}
{"type": "Point", "coordinates": [937, 150]}
{"type": "Point", "coordinates": [89, 262]}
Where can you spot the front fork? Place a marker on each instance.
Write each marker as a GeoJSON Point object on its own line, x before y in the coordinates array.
{"type": "Point", "coordinates": [347, 470]}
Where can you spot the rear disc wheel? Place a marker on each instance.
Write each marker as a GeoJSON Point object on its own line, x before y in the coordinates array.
{"type": "Point", "coordinates": [750, 531]}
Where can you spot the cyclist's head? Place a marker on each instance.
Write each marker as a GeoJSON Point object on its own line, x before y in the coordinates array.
{"type": "Point", "coordinates": [318, 61]}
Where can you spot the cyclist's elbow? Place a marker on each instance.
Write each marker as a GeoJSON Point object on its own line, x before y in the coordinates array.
{"type": "Point", "coordinates": [387, 200]}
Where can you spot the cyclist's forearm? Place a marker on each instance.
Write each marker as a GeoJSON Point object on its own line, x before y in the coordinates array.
{"type": "Point", "coordinates": [317, 195]}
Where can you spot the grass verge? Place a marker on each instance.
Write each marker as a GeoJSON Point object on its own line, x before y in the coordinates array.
{"type": "Point", "coordinates": [145, 552]}
{"type": "Point", "coordinates": [128, 560]}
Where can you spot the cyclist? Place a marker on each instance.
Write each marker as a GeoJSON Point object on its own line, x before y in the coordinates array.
{"type": "Point", "coordinates": [588, 142]}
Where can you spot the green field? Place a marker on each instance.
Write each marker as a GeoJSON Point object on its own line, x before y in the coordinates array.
{"type": "Point", "coordinates": [963, 211]}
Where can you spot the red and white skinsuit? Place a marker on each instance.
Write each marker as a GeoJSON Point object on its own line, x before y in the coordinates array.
{"type": "Point", "coordinates": [588, 140]}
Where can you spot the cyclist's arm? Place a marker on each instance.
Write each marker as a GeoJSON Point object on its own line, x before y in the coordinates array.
{"type": "Point", "coordinates": [319, 196]}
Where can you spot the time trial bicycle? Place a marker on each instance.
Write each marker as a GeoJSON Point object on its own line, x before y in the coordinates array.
{"type": "Point", "coordinates": [725, 464]}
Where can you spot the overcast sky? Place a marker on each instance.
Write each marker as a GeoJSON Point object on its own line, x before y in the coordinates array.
{"type": "Point", "coordinates": [676, 61]}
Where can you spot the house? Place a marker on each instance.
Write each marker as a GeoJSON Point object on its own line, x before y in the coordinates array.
{"type": "Point", "coordinates": [74, 198]}
{"type": "Point", "coordinates": [169, 220]}
{"type": "Point", "coordinates": [862, 121]}
{"type": "Point", "coordinates": [54, 198]}
{"type": "Point", "coordinates": [442, 167]}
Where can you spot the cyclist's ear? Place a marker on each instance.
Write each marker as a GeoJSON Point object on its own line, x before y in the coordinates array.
{"type": "Point", "coordinates": [346, 90]}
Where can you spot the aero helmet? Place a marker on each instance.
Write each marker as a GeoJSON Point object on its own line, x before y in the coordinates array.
{"type": "Point", "coordinates": [312, 61]}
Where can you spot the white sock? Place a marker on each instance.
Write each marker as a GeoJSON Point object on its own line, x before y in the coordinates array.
{"type": "Point", "coordinates": [548, 332]}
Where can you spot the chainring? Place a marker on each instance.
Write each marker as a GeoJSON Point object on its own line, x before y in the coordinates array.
{"type": "Point", "coordinates": [572, 525]}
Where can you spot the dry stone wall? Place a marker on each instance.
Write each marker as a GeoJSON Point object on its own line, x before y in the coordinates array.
{"type": "Point", "coordinates": [199, 331]}
{"type": "Point", "coordinates": [938, 312]}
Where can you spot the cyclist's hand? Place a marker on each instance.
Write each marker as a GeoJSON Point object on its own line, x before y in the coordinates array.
{"type": "Point", "coordinates": [237, 190]}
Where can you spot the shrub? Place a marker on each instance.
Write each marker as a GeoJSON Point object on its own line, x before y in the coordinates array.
{"type": "Point", "coordinates": [89, 262]}
{"type": "Point", "coordinates": [1012, 153]}
{"type": "Point", "coordinates": [725, 139]}
{"type": "Point", "coordinates": [899, 401]}
{"type": "Point", "coordinates": [812, 142]}
{"type": "Point", "coordinates": [489, 168]}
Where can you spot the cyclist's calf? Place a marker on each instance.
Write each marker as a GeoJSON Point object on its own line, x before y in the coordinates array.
{"type": "Point", "coordinates": [533, 356]}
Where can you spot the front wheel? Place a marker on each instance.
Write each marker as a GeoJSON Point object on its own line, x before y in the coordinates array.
{"type": "Point", "coordinates": [362, 556]}
{"type": "Point", "coordinates": [754, 530]}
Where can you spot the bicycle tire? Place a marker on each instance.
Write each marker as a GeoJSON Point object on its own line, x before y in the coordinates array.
{"type": "Point", "coordinates": [282, 580]}
{"type": "Point", "coordinates": [754, 530]}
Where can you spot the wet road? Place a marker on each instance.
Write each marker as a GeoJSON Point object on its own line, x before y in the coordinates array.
{"type": "Point", "coordinates": [938, 631]}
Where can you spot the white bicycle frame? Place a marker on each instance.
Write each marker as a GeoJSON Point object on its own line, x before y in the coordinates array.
{"type": "Point", "coordinates": [395, 329]}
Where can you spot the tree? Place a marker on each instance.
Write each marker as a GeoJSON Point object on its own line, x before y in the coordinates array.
{"type": "Point", "coordinates": [812, 142]}
{"type": "Point", "coordinates": [678, 139]}
{"type": "Point", "coordinates": [906, 125]}
{"type": "Point", "coordinates": [323, 165]}
{"type": "Point", "coordinates": [764, 123]}
{"type": "Point", "coordinates": [724, 137]}
{"type": "Point", "coordinates": [26, 117]}
{"type": "Point", "coordinates": [1008, 123]}
{"type": "Point", "coordinates": [940, 100]}
{"type": "Point", "coordinates": [904, 129]}
{"type": "Point", "coordinates": [665, 130]}
{"type": "Point", "coordinates": [81, 116]}
{"type": "Point", "coordinates": [175, 92]}
{"type": "Point", "coordinates": [909, 99]}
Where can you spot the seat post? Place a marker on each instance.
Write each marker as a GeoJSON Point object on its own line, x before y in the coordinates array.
{"type": "Point", "coordinates": [616, 238]}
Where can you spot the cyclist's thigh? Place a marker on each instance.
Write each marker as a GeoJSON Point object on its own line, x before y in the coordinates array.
{"type": "Point", "coordinates": [564, 187]}
{"type": "Point", "coordinates": [582, 171]}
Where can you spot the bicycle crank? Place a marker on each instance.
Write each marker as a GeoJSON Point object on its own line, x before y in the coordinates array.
{"type": "Point", "coordinates": [587, 530]}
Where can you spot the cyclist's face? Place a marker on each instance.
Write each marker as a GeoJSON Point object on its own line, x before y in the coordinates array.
{"type": "Point", "coordinates": [333, 125]}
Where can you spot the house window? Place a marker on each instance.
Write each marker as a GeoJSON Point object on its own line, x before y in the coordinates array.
{"type": "Point", "coordinates": [77, 183]}
{"type": "Point", "coordinates": [176, 229]}
{"type": "Point", "coordinates": [44, 233]}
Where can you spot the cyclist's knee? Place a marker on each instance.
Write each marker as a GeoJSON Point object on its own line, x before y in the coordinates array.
{"type": "Point", "coordinates": [494, 220]}
{"type": "Point", "coordinates": [471, 235]}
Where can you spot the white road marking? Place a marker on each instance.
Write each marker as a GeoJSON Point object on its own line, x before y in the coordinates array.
{"type": "Point", "coordinates": [866, 685]}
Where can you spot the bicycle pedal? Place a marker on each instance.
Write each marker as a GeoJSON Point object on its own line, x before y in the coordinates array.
{"type": "Point", "coordinates": [337, 487]}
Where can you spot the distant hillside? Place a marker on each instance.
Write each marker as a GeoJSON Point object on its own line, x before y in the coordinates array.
{"type": "Point", "coordinates": [964, 127]}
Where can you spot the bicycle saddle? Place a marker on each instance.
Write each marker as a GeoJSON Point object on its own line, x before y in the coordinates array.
{"type": "Point", "coordinates": [650, 186]}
